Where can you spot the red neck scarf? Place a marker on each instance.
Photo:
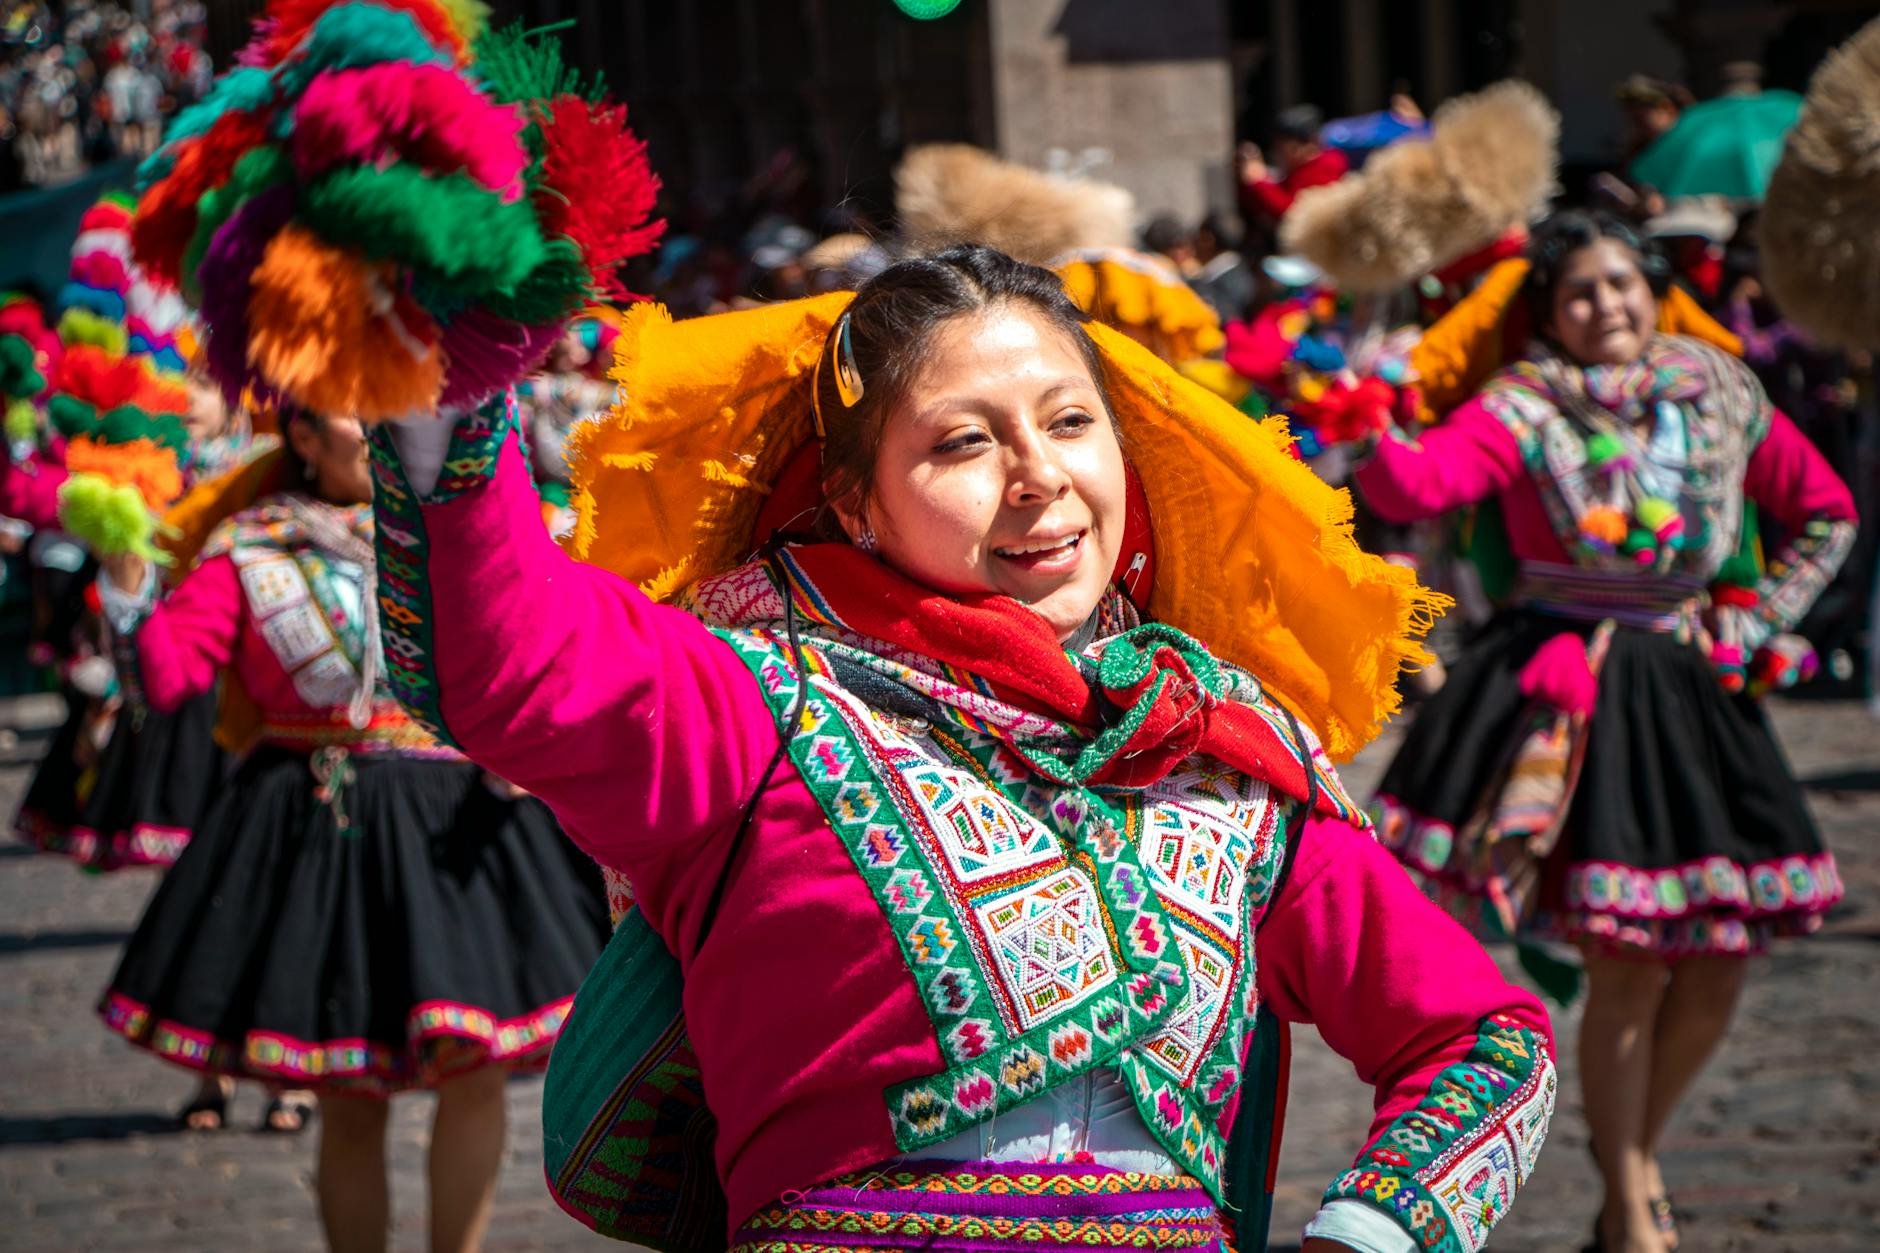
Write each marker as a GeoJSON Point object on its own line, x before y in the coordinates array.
{"type": "Point", "coordinates": [1155, 699]}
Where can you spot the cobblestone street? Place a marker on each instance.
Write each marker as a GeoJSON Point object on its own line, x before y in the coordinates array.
{"type": "Point", "coordinates": [1777, 1149]}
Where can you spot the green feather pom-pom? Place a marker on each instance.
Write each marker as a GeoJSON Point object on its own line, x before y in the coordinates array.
{"type": "Point", "coordinates": [111, 519]}
{"type": "Point", "coordinates": [554, 290]}
{"type": "Point", "coordinates": [71, 417]}
{"type": "Point", "coordinates": [22, 421]}
{"type": "Point", "coordinates": [19, 368]}
{"type": "Point", "coordinates": [127, 422]}
{"type": "Point", "coordinates": [463, 237]}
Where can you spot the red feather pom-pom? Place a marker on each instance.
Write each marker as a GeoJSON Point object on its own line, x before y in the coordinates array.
{"type": "Point", "coordinates": [166, 216]}
{"type": "Point", "coordinates": [99, 379]}
{"type": "Point", "coordinates": [598, 188]}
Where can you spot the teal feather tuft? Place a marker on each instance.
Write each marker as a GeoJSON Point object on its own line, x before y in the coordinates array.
{"type": "Point", "coordinates": [244, 89]}
{"type": "Point", "coordinates": [351, 35]}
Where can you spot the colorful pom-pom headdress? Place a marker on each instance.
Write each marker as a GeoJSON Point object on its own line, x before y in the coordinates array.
{"type": "Point", "coordinates": [386, 209]}
{"type": "Point", "coordinates": [117, 394]}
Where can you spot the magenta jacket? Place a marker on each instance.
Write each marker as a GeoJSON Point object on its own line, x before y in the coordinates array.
{"type": "Point", "coordinates": [647, 734]}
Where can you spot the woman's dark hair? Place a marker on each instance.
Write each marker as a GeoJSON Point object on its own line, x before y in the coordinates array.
{"type": "Point", "coordinates": [1565, 233]}
{"type": "Point", "coordinates": [892, 322]}
{"type": "Point", "coordinates": [293, 468]}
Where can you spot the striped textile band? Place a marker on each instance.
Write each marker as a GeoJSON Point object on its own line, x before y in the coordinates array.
{"type": "Point", "coordinates": [390, 733]}
{"type": "Point", "coordinates": [1648, 602]}
{"type": "Point", "coordinates": [989, 1207]}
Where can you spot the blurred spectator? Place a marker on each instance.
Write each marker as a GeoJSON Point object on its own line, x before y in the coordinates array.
{"type": "Point", "coordinates": [1651, 106]}
{"type": "Point", "coordinates": [1221, 276]}
{"type": "Point", "coordinates": [1166, 236]}
{"type": "Point", "coordinates": [1305, 162]}
{"type": "Point", "coordinates": [83, 83]}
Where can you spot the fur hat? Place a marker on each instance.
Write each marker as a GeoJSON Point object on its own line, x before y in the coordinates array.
{"type": "Point", "coordinates": [1488, 165]}
{"type": "Point", "coordinates": [1820, 227]}
{"type": "Point", "coordinates": [956, 193]}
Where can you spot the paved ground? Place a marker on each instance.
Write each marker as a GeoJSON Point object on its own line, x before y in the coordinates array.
{"type": "Point", "coordinates": [1779, 1149]}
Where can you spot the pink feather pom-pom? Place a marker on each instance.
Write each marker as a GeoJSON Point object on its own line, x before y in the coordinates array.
{"type": "Point", "coordinates": [396, 111]}
{"type": "Point", "coordinates": [1558, 674]}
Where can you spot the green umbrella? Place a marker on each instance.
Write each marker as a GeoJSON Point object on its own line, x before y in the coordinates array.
{"type": "Point", "coordinates": [1722, 147]}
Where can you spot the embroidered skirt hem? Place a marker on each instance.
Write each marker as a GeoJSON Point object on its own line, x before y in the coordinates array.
{"type": "Point", "coordinates": [1686, 835]}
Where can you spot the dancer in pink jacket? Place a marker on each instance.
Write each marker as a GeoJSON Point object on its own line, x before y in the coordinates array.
{"type": "Point", "coordinates": [964, 864]}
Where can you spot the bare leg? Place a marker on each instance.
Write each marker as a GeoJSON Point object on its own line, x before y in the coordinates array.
{"type": "Point", "coordinates": [1696, 1013]}
{"type": "Point", "coordinates": [1622, 1003]}
{"type": "Point", "coordinates": [355, 1195]}
{"type": "Point", "coordinates": [466, 1153]}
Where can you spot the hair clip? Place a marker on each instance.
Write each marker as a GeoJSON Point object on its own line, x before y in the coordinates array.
{"type": "Point", "coordinates": [848, 376]}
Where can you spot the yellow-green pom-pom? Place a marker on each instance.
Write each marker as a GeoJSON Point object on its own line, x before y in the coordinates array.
{"type": "Point", "coordinates": [111, 519]}
{"type": "Point", "coordinates": [22, 421]}
{"type": "Point", "coordinates": [82, 326]}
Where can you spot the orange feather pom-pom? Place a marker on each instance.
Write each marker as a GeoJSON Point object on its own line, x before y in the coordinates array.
{"type": "Point", "coordinates": [1603, 525]}
{"type": "Point", "coordinates": [143, 464]}
{"type": "Point", "coordinates": [315, 335]}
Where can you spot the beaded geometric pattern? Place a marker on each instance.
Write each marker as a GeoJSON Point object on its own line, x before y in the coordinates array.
{"type": "Point", "coordinates": [1448, 1169]}
{"type": "Point", "coordinates": [1049, 928]}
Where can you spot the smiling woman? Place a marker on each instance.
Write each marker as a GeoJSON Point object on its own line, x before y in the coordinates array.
{"type": "Point", "coordinates": [982, 456]}
{"type": "Point", "coordinates": [986, 853]}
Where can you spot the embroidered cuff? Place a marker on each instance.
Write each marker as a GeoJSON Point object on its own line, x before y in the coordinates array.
{"type": "Point", "coordinates": [125, 611]}
{"type": "Point", "coordinates": [1357, 1226]}
{"type": "Point", "coordinates": [1802, 572]}
{"type": "Point", "coordinates": [1446, 1171]}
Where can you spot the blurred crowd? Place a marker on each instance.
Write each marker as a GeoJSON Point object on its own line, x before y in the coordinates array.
{"type": "Point", "coordinates": [83, 84]}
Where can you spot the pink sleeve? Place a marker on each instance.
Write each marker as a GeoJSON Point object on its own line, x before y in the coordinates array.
{"type": "Point", "coordinates": [29, 491]}
{"type": "Point", "coordinates": [190, 636]}
{"type": "Point", "coordinates": [1467, 457]}
{"type": "Point", "coordinates": [1790, 479]}
{"type": "Point", "coordinates": [1400, 990]}
{"type": "Point", "coordinates": [629, 718]}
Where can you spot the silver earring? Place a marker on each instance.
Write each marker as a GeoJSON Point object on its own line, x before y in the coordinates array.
{"type": "Point", "coordinates": [865, 539]}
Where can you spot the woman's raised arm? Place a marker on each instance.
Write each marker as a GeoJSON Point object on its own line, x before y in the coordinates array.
{"type": "Point", "coordinates": [632, 721]}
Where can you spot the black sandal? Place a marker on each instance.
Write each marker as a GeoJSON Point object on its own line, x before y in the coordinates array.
{"type": "Point", "coordinates": [217, 1105]}
{"type": "Point", "coordinates": [294, 1107]}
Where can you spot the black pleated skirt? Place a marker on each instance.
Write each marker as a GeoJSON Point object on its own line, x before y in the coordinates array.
{"type": "Point", "coordinates": [139, 802]}
{"type": "Point", "coordinates": [439, 927]}
{"type": "Point", "coordinates": [1687, 833]}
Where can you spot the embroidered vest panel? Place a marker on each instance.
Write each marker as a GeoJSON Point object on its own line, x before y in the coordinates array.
{"type": "Point", "coordinates": [1050, 929]}
{"type": "Point", "coordinates": [307, 608]}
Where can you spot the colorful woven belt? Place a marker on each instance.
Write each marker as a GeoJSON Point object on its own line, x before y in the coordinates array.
{"type": "Point", "coordinates": [390, 733]}
{"type": "Point", "coordinates": [987, 1207]}
{"type": "Point", "coordinates": [1647, 602]}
